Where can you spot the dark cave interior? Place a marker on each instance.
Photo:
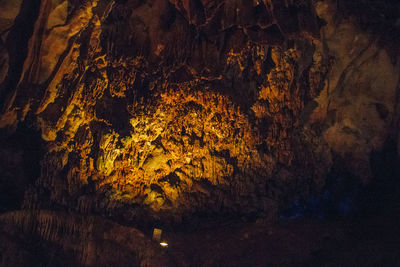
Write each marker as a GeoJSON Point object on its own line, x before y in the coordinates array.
{"type": "Point", "coordinates": [253, 133]}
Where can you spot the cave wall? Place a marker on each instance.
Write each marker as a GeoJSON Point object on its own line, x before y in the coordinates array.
{"type": "Point", "coordinates": [158, 110]}
{"type": "Point", "coordinates": [359, 102]}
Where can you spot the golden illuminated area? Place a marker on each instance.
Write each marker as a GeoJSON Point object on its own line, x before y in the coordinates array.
{"type": "Point", "coordinates": [145, 113]}
{"type": "Point", "coordinates": [181, 144]}
{"type": "Point", "coordinates": [180, 147]}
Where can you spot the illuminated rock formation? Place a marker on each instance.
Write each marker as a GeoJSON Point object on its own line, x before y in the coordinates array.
{"type": "Point", "coordinates": [154, 124]}
{"type": "Point", "coordinates": [158, 110]}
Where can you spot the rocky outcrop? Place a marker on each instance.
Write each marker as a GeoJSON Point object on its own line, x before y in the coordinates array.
{"type": "Point", "coordinates": [160, 110]}
{"type": "Point", "coordinates": [359, 104]}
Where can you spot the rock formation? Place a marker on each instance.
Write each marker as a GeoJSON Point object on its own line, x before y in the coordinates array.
{"type": "Point", "coordinates": [156, 111]}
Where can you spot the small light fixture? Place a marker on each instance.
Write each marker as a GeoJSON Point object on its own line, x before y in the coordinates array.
{"type": "Point", "coordinates": [164, 244]}
{"type": "Point", "coordinates": [157, 234]}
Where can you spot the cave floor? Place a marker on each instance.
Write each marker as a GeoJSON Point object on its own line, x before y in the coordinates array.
{"type": "Point", "coordinates": [304, 242]}
{"type": "Point", "coordinates": [48, 238]}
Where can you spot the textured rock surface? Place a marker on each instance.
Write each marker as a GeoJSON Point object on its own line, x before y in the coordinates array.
{"type": "Point", "coordinates": [73, 240]}
{"type": "Point", "coordinates": [157, 110]}
{"type": "Point", "coordinates": [360, 100]}
{"type": "Point", "coordinates": [161, 112]}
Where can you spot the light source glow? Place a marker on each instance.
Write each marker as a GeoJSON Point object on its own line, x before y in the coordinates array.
{"type": "Point", "coordinates": [164, 244]}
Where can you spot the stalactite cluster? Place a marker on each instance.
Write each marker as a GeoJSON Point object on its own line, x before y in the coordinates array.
{"type": "Point", "coordinates": [155, 111]}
